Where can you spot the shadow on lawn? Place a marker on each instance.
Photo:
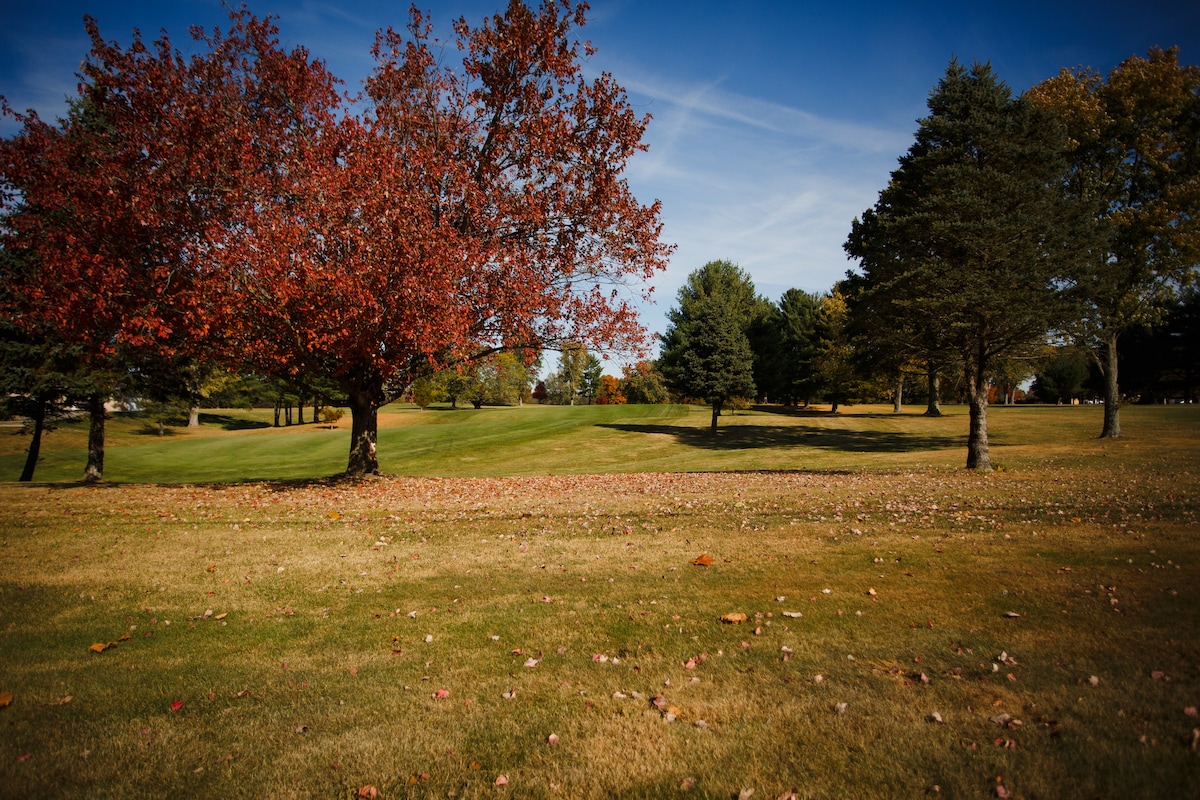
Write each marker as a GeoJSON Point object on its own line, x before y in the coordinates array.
{"type": "Point", "coordinates": [749, 437]}
{"type": "Point", "coordinates": [229, 423]}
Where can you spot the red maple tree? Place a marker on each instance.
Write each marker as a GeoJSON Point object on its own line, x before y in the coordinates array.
{"type": "Point", "coordinates": [113, 205]}
{"type": "Point", "coordinates": [463, 211]}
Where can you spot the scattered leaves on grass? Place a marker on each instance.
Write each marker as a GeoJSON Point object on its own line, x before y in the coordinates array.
{"type": "Point", "coordinates": [702, 560]}
{"type": "Point", "coordinates": [368, 792]}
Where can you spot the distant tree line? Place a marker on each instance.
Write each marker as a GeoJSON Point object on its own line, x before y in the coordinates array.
{"type": "Point", "coordinates": [1068, 216]}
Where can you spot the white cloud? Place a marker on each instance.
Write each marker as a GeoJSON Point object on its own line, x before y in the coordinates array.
{"type": "Point", "coordinates": [767, 186]}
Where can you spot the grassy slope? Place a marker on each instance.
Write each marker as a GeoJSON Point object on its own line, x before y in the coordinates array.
{"type": "Point", "coordinates": [561, 440]}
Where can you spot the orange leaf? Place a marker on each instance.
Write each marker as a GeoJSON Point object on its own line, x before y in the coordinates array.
{"type": "Point", "coordinates": [6, 699]}
{"type": "Point", "coordinates": [703, 560]}
{"type": "Point", "coordinates": [736, 618]}
{"type": "Point", "coordinates": [100, 647]}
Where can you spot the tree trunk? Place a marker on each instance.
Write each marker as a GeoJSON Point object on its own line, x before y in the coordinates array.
{"type": "Point", "coordinates": [898, 397]}
{"type": "Point", "coordinates": [716, 412]}
{"type": "Point", "coordinates": [287, 414]}
{"type": "Point", "coordinates": [1112, 394]}
{"type": "Point", "coordinates": [35, 444]}
{"type": "Point", "coordinates": [278, 408]}
{"type": "Point", "coordinates": [833, 409]}
{"type": "Point", "coordinates": [363, 433]}
{"type": "Point", "coordinates": [94, 471]}
{"type": "Point", "coordinates": [934, 407]}
{"type": "Point", "coordinates": [300, 411]}
{"type": "Point", "coordinates": [978, 456]}
{"type": "Point", "coordinates": [194, 417]}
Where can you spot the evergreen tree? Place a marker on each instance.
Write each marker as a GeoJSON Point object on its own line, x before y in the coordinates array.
{"type": "Point", "coordinates": [973, 237]}
{"type": "Point", "coordinates": [714, 359]}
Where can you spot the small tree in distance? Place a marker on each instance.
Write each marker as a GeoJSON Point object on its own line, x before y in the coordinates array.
{"type": "Point", "coordinates": [716, 361]}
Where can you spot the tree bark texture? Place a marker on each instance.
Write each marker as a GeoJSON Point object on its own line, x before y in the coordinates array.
{"type": "Point", "coordinates": [978, 456]}
{"type": "Point", "coordinates": [364, 425]}
{"type": "Point", "coordinates": [933, 407]}
{"type": "Point", "coordinates": [898, 397]}
{"type": "Point", "coordinates": [35, 444]}
{"type": "Point", "coordinates": [1112, 392]}
{"type": "Point", "coordinates": [94, 471]}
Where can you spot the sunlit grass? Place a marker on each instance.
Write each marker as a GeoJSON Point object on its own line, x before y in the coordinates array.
{"type": "Point", "coordinates": [895, 585]}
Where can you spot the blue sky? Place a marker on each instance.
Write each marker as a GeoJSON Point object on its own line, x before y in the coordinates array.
{"type": "Point", "coordinates": [775, 123]}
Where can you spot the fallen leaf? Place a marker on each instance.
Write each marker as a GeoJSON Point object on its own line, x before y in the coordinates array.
{"type": "Point", "coordinates": [746, 794]}
{"type": "Point", "coordinates": [1011, 615]}
{"type": "Point", "coordinates": [502, 780]}
{"type": "Point", "coordinates": [100, 647]}
{"type": "Point", "coordinates": [734, 618]}
{"type": "Point", "coordinates": [441, 694]}
{"type": "Point", "coordinates": [841, 708]}
{"type": "Point", "coordinates": [792, 614]}
{"type": "Point", "coordinates": [702, 560]}
{"type": "Point", "coordinates": [222, 615]}
{"type": "Point", "coordinates": [531, 662]}
{"type": "Point", "coordinates": [211, 568]}
{"type": "Point", "coordinates": [175, 706]}
{"type": "Point", "coordinates": [936, 717]}
{"type": "Point", "coordinates": [552, 739]}
{"type": "Point", "coordinates": [125, 637]}
{"type": "Point", "coordinates": [368, 792]}
{"type": "Point", "coordinates": [6, 699]}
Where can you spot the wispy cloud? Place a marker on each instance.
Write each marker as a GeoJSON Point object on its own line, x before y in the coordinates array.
{"type": "Point", "coordinates": [770, 187]}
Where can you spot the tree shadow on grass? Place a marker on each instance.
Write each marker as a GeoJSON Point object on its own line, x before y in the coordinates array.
{"type": "Point", "coordinates": [750, 437]}
{"type": "Point", "coordinates": [229, 423]}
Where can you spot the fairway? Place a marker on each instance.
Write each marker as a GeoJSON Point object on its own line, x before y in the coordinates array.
{"type": "Point", "coordinates": [234, 446]}
{"type": "Point", "coordinates": [528, 614]}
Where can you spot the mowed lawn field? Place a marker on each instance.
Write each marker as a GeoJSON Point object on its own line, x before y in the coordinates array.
{"type": "Point", "coordinates": [531, 604]}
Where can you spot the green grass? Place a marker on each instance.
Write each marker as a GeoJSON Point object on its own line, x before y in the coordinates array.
{"type": "Point", "coordinates": [540, 440]}
{"type": "Point", "coordinates": [316, 680]}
